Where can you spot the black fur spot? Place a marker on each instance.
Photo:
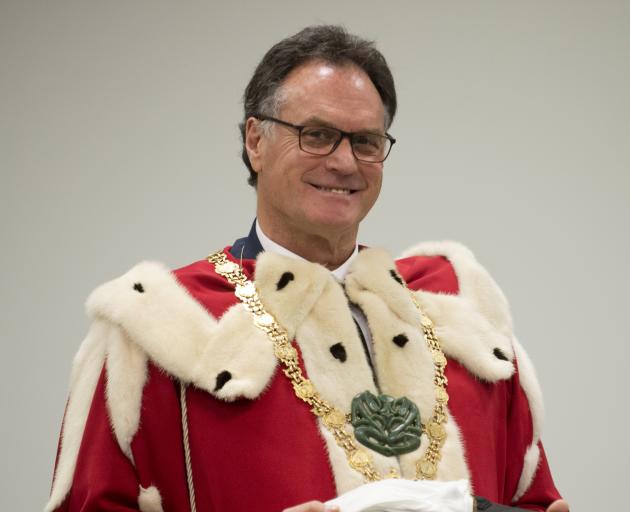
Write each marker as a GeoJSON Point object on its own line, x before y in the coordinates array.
{"type": "Point", "coordinates": [339, 352]}
{"type": "Point", "coordinates": [396, 276]}
{"type": "Point", "coordinates": [285, 279]}
{"type": "Point", "coordinates": [138, 287]}
{"type": "Point", "coordinates": [500, 355]}
{"type": "Point", "coordinates": [222, 379]}
{"type": "Point", "coordinates": [400, 340]}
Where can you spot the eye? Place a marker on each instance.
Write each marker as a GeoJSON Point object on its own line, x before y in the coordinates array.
{"type": "Point", "coordinates": [368, 143]}
{"type": "Point", "coordinates": [319, 136]}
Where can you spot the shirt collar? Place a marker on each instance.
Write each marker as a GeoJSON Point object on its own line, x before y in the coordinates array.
{"type": "Point", "coordinates": [270, 246]}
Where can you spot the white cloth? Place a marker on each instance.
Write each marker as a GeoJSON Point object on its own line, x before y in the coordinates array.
{"type": "Point", "coordinates": [397, 495]}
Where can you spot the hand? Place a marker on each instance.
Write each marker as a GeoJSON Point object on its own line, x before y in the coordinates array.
{"type": "Point", "coordinates": [312, 506]}
{"type": "Point", "coordinates": [558, 506]}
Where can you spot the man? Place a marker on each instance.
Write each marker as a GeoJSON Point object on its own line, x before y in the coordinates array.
{"type": "Point", "coordinates": [199, 390]}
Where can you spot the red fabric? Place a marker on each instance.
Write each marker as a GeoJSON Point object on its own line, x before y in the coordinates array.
{"type": "Point", "coordinates": [541, 491]}
{"type": "Point", "coordinates": [269, 451]}
{"type": "Point", "coordinates": [158, 446]}
{"type": "Point", "coordinates": [267, 454]}
{"type": "Point", "coordinates": [104, 479]}
{"type": "Point", "coordinates": [429, 273]}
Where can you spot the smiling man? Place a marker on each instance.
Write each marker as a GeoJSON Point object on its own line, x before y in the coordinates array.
{"type": "Point", "coordinates": [294, 366]}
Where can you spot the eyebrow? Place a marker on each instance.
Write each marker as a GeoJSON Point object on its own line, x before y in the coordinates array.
{"type": "Point", "coordinates": [318, 121]}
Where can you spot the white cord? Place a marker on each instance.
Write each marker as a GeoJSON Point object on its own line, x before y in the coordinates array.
{"type": "Point", "coordinates": [189, 475]}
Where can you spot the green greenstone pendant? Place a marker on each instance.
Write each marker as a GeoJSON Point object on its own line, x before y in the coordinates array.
{"type": "Point", "coordinates": [387, 425]}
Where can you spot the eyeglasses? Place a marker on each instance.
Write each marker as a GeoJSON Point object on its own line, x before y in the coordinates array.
{"type": "Point", "coordinates": [323, 140]}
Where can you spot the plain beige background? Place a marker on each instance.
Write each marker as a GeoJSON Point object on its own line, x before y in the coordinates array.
{"type": "Point", "coordinates": [119, 142]}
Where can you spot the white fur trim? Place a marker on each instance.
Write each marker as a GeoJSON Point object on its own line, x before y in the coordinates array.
{"type": "Point", "coordinates": [126, 367]}
{"type": "Point", "coordinates": [236, 346]}
{"type": "Point", "coordinates": [315, 308]}
{"type": "Point", "coordinates": [86, 370]}
{"type": "Point", "coordinates": [474, 281]}
{"type": "Point", "coordinates": [158, 315]}
{"type": "Point", "coordinates": [294, 301]}
{"type": "Point", "coordinates": [330, 322]}
{"type": "Point", "coordinates": [472, 324]}
{"type": "Point", "coordinates": [452, 464]}
{"type": "Point", "coordinates": [149, 499]}
{"type": "Point", "coordinates": [407, 370]}
{"type": "Point", "coordinates": [371, 272]}
{"type": "Point", "coordinates": [467, 336]}
{"type": "Point", "coordinates": [346, 478]}
{"type": "Point", "coordinates": [163, 319]}
{"type": "Point", "coordinates": [530, 465]}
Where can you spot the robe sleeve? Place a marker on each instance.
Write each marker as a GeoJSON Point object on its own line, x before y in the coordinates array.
{"type": "Point", "coordinates": [542, 491]}
{"type": "Point", "coordinates": [529, 470]}
{"type": "Point", "coordinates": [121, 442]}
{"type": "Point", "coordinates": [103, 478]}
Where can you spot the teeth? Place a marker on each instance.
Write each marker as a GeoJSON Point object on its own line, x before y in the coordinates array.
{"type": "Point", "coordinates": [343, 191]}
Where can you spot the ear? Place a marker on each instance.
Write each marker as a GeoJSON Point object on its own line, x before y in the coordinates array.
{"type": "Point", "coordinates": [254, 142]}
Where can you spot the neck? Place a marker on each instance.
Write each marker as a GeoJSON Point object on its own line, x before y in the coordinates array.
{"type": "Point", "coordinates": [328, 249]}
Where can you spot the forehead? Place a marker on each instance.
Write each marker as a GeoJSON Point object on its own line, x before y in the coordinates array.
{"type": "Point", "coordinates": [342, 95]}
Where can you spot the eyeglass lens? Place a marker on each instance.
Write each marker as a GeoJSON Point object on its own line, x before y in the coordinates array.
{"type": "Point", "coordinates": [320, 140]}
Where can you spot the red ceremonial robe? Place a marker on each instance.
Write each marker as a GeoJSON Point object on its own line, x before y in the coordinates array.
{"type": "Point", "coordinates": [253, 444]}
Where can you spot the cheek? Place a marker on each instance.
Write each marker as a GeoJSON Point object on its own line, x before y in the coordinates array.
{"type": "Point", "coordinates": [379, 179]}
{"type": "Point", "coordinates": [274, 150]}
{"type": "Point", "coordinates": [284, 149]}
{"type": "Point", "coordinates": [375, 179]}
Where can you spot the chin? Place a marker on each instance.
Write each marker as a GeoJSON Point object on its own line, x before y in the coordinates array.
{"type": "Point", "coordinates": [335, 223]}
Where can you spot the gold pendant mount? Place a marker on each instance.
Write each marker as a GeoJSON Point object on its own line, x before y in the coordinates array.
{"type": "Point", "coordinates": [334, 419]}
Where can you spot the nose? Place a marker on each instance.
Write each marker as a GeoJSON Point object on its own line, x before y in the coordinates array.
{"type": "Point", "coordinates": [342, 159]}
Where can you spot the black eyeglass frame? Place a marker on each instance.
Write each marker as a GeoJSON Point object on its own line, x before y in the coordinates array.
{"type": "Point", "coordinates": [343, 134]}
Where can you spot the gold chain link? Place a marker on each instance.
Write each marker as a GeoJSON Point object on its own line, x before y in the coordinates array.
{"type": "Point", "coordinates": [334, 419]}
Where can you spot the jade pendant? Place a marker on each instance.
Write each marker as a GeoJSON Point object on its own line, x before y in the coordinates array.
{"type": "Point", "coordinates": [387, 425]}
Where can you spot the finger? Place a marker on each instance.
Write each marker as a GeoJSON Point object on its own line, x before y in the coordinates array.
{"type": "Point", "coordinates": [558, 506]}
{"type": "Point", "coordinates": [312, 506]}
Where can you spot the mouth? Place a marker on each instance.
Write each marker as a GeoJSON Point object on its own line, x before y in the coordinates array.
{"type": "Point", "coordinates": [335, 190]}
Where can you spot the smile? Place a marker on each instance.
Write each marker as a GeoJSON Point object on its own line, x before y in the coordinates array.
{"type": "Point", "coordinates": [341, 191]}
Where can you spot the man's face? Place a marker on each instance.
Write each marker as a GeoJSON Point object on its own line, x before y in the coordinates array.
{"type": "Point", "coordinates": [317, 195]}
